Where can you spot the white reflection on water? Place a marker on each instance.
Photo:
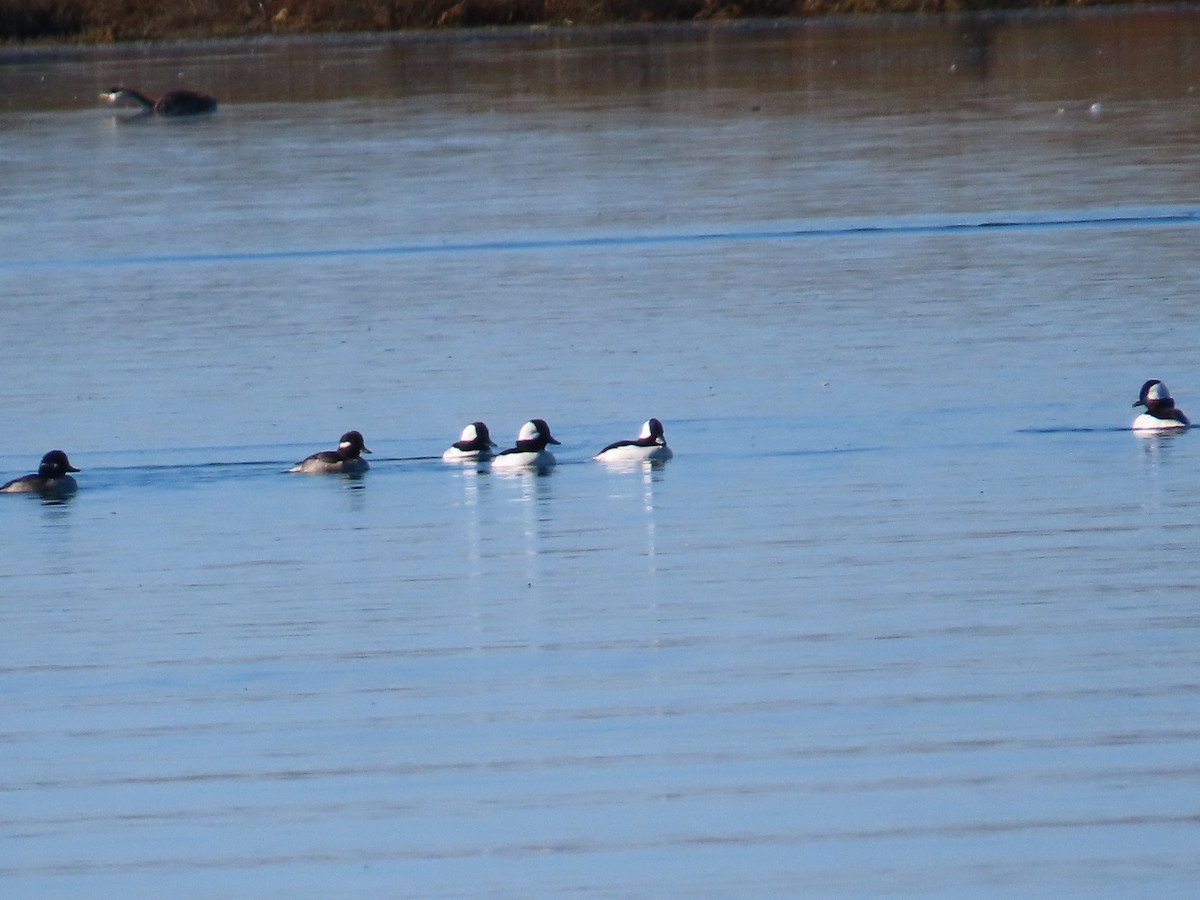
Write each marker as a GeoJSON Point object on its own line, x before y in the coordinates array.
{"type": "Point", "coordinates": [635, 479]}
{"type": "Point", "coordinates": [649, 471]}
{"type": "Point", "coordinates": [909, 613]}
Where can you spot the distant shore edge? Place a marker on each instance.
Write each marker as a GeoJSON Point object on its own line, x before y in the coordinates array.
{"type": "Point", "coordinates": [101, 22]}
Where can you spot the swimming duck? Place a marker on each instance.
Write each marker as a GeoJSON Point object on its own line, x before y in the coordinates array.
{"type": "Point", "coordinates": [650, 446]}
{"type": "Point", "coordinates": [473, 445]}
{"type": "Point", "coordinates": [345, 460]}
{"type": "Point", "coordinates": [51, 480]}
{"type": "Point", "coordinates": [530, 451]}
{"type": "Point", "coordinates": [1160, 413]}
{"type": "Point", "coordinates": [172, 103]}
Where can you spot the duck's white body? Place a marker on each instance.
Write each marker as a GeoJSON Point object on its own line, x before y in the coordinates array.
{"type": "Point", "coordinates": [649, 446]}
{"type": "Point", "coordinates": [1147, 422]}
{"type": "Point", "coordinates": [530, 451]}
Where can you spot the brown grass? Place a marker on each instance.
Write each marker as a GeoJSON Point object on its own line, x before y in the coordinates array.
{"type": "Point", "coordinates": [125, 20]}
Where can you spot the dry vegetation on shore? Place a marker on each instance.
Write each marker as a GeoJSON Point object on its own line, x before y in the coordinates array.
{"type": "Point", "coordinates": [103, 21]}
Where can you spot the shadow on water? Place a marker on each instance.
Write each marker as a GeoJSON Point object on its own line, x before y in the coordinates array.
{"type": "Point", "coordinates": [1072, 430]}
{"type": "Point", "coordinates": [145, 117]}
{"type": "Point", "coordinates": [57, 504]}
{"type": "Point", "coordinates": [830, 451]}
{"type": "Point", "coordinates": [209, 471]}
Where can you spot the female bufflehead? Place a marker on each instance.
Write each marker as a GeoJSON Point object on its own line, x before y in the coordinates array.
{"type": "Point", "coordinates": [51, 479]}
{"type": "Point", "coordinates": [172, 103]}
{"type": "Point", "coordinates": [473, 445]}
{"type": "Point", "coordinates": [530, 452]}
{"type": "Point", "coordinates": [1160, 413]}
{"type": "Point", "coordinates": [345, 460]}
{"type": "Point", "coordinates": [650, 446]}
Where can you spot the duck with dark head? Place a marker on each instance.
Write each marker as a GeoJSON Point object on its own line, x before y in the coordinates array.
{"type": "Point", "coordinates": [52, 479]}
{"type": "Point", "coordinates": [172, 103]}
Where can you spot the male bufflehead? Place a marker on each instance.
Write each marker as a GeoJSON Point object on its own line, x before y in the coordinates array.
{"type": "Point", "coordinates": [1160, 413]}
{"type": "Point", "coordinates": [172, 103]}
{"type": "Point", "coordinates": [650, 446]}
{"type": "Point", "coordinates": [345, 460]}
{"type": "Point", "coordinates": [530, 452]}
{"type": "Point", "coordinates": [473, 445]}
{"type": "Point", "coordinates": [51, 479]}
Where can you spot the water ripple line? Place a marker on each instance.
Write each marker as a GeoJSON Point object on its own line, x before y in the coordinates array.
{"type": "Point", "coordinates": [979, 225]}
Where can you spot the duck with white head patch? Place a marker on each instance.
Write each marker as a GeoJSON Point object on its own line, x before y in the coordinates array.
{"type": "Point", "coordinates": [1160, 414]}
{"type": "Point", "coordinates": [52, 478]}
{"type": "Point", "coordinates": [473, 445]}
{"type": "Point", "coordinates": [649, 446]}
{"type": "Point", "coordinates": [345, 460]}
{"type": "Point", "coordinates": [530, 451]}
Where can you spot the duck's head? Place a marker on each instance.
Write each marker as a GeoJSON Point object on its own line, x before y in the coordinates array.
{"type": "Point", "coordinates": [535, 431]}
{"type": "Point", "coordinates": [351, 445]}
{"type": "Point", "coordinates": [1155, 395]}
{"type": "Point", "coordinates": [477, 432]}
{"type": "Point", "coordinates": [652, 428]}
{"type": "Point", "coordinates": [55, 465]}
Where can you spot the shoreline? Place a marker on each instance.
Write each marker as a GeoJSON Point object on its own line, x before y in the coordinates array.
{"type": "Point", "coordinates": [42, 23]}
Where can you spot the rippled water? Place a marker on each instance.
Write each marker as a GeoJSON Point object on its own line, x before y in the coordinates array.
{"type": "Point", "coordinates": [912, 612]}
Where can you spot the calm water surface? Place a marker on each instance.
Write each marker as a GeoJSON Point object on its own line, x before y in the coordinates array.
{"type": "Point", "coordinates": [911, 613]}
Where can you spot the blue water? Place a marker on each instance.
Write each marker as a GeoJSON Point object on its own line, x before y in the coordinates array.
{"type": "Point", "coordinates": [911, 612]}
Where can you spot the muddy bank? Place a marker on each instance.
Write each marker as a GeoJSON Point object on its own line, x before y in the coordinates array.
{"type": "Point", "coordinates": [108, 21]}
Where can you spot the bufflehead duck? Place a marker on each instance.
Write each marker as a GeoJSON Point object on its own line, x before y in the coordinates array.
{"type": "Point", "coordinates": [172, 103]}
{"type": "Point", "coordinates": [1160, 413]}
{"type": "Point", "coordinates": [650, 446]}
{"type": "Point", "coordinates": [345, 460]}
{"type": "Point", "coordinates": [473, 445]}
{"type": "Point", "coordinates": [530, 452]}
{"type": "Point", "coordinates": [51, 479]}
